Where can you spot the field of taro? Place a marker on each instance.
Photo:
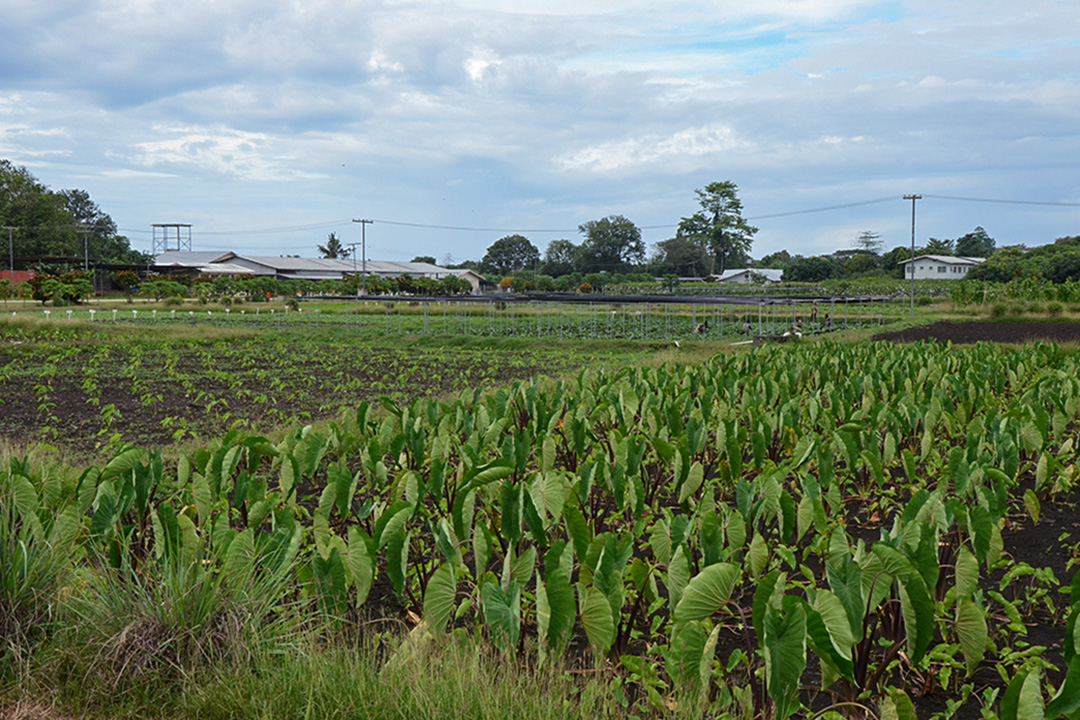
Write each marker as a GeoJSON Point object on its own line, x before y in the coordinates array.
{"type": "Point", "coordinates": [825, 531]}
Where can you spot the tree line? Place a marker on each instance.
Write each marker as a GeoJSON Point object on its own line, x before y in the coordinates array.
{"type": "Point", "coordinates": [64, 224]}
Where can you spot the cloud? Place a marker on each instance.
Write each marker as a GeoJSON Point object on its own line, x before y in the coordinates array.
{"type": "Point", "coordinates": [685, 150]}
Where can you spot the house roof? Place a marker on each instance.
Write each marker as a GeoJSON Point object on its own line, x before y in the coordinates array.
{"type": "Point", "coordinates": [176, 258]}
{"type": "Point", "coordinates": [770, 274]}
{"type": "Point", "coordinates": [947, 259]}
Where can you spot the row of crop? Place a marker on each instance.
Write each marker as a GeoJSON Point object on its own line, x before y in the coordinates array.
{"type": "Point", "coordinates": [691, 526]}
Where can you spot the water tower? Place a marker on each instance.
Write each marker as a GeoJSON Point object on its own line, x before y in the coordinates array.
{"type": "Point", "coordinates": [171, 237]}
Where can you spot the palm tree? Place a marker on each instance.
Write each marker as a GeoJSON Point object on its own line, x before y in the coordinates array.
{"type": "Point", "coordinates": [333, 248]}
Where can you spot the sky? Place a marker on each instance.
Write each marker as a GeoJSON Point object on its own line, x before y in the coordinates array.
{"type": "Point", "coordinates": [268, 124]}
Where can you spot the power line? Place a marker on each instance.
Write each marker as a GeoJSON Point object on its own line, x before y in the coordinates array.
{"type": "Point", "coordinates": [824, 209]}
{"type": "Point", "coordinates": [1003, 202]}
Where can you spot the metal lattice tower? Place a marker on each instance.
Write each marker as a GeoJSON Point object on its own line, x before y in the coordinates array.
{"type": "Point", "coordinates": [164, 233]}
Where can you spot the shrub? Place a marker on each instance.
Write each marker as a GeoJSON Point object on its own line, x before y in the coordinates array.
{"type": "Point", "coordinates": [998, 310]}
{"type": "Point", "coordinates": [1054, 309]}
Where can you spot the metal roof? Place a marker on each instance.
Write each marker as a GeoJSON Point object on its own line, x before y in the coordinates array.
{"type": "Point", "coordinates": [947, 259]}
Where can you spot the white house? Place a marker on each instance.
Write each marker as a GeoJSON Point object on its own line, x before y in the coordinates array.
{"type": "Point", "coordinates": [939, 267]}
{"type": "Point", "coordinates": [747, 276]}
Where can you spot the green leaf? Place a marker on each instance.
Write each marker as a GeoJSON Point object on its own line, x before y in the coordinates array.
{"type": "Point", "coordinates": [200, 494]}
{"type": "Point", "coordinates": [706, 593]}
{"type": "Point", "coordinates": [897, 706]}
{"type": "Point", "coordinates": [685, 656]}
{"type": "Point", "coordinates": [971, 631]}
{"type": "Point", "coordinates": [967, 573]}
{"type": "Point", "coordinates": [785, 656]}
{"type": "Point", "coordinates": [597, 622]}
{"type": "Point", "coordinates": [439, 598]}
{"type": "Point", "coordinates": [360, 564]}
{"type": "Point", "coordinates": [678, 575]}
{"type": "Point", "coordinates": [1066, 700]}
{"type": "Point", "coordinates": [757, 556]}
{"type": "Point", "coordinates": [502, 613]}
{"type": "Point", "coordinates": [122, 462]}
{"type": "Point", "coordinates": [329, 574]}
{"type": "Point", "coordinates": [559, 597]}
{"type": "Point", "coordinates": [693, 482]}
{"type": "Point", "coordinates": [1031, 504]}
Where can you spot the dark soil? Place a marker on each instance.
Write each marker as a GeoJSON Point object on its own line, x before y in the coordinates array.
{"type": "Point", "coordinates": [986, 331]}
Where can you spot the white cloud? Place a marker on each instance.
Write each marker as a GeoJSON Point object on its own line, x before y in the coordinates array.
{"type": "Point", "coordinates": [687, 150]}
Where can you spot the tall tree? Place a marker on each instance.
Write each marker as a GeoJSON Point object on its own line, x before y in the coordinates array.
{"type": "Point", "coordinates": [934, 246]}
{"type": "Point", "coordinates": [719, 225]}
{"type": "Point", "coordinates": [559, 257]}
{"type": "Point", "coordinates": [333, 249]}
{"type": "Point", "coordinates": [98, 231]}
{"type": "Point", "coordinates": [510, 254]}
{"type": "Point", "coordinates": [869, 241]}
{"type": "Point", "coordinates": [682, 257]}
{"type": "Point", "coordinates": [612, 244]}
{"type": "Point", "coordinates": [429, 259]}
{"type": "Point", "coordinates": [975, 244]}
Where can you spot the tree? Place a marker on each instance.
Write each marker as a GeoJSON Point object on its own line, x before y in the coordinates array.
{"type": "Point", "coordinates": [560, 257]}
{"type": "Point", "coordinates": [509, 254]}
{"type": "Point", "coordinates": [333, 249]}
{"type": "Point", "coordinates": [938, 247]}
{"type": "Point", "coordinates": [612, 244]}
{"type": "Point", "coordinates": [975, 244]}
{"type": "Point", "coordinates": [890, 261]}
{"type": "Point", "coordinates": [780, 259]}
{"type": "Point", "coordinates": [719, 225]}
{"type": "Point", "coordinates": [869, 242]}
{"type": "Point", "coordinates": [429, 259]}
{"type": "Point", "coordinates": [682, 257]}
{"type": "Point", "coordinates": [813, 269]}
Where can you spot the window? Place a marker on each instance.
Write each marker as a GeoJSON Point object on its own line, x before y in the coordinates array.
{"type": "Point", "coordinates": [941, 268]}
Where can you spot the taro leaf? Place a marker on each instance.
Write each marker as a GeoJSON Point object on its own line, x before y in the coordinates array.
{"type": "Point", "coordinates": [706, 593]}
{"type": "Point", "coordinates": [344, 484]}
{"type": "Point", "coordinates": [329, 574]}
{"type": "Point", "coordinates": [822, 642]}
{"type": "Point", "coordinates": [967, 573]}
{"type": "Point", "coordinates": [971, 631]}
{"type": "Point", "coordinates": [836, 620]}
{"type": "Point", "coordinates": [397, 559]}
{"type": "Point", "coordinates": [360, 564]}
{"type": "Point", "coordinates": [578, 530]}
{"type": "Point", "coordinates": [238, 559]}
{"type": "Point", "coordinates": [785, 655]}
{"type": "Point", "coordinates": [559, 597]}
{"type": "Point", "coordinates": [766, 594]}
{"type": "Point", "coordinates": [439, 598]}
{"type": "Point", "coordinates": [502, 613]}
{"type": "Point", "coordinates": [597, 621]}
{"type": "Point", "coordinates": [510, 502]}
{"type": "Point", "coordinates": [686, 655]}
{"type": "Point", "coordinates": [200, 494]}
{"type": "Point", "coordinates": [981, 531]}
{"type": "Point", "coordinates": [1031, 504]}
{"type": "Point", "coordinates": [693, 482]}
{"type": "Point", "coordinates": [482, 547]}
{"type": "Point", "coordinates": [897, 706]}
{"type": "Point", "coordinates": [1023, 698]}
{"type": "Point", "coordinates": [533, 520]}
{"type": "Point", "coordinates": [447, 542]}
{"type": "Point", "coordinates": [757, 556]}
{"type": "Point", "coordinates": [678, 575]}
{"type": "Point", "coordinates": [391, 522]}
{"type": "Point", "coordinates": [1066, 700]}
{"type": "Point", "coordinates": [122, 463]}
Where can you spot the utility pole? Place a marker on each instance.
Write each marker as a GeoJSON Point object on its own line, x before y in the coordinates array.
{"type": "Point", "coordinates": [913, 198]}
{"type": "Point", "coordinates": [363, 251]}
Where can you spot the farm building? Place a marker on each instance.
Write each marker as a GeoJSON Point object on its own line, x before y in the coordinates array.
{"type": "Point", "coordinates": [291, 268]}
{"type": "Point", "coordinates": [939, 267]}
{"type": "Point", "coordinates": [748, 276]}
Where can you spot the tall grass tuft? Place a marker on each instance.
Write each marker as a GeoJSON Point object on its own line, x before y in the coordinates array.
{"type": "Point", "coordinates": [138, 636]}
{"type": "Point", "coordinates": [35, 559]}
